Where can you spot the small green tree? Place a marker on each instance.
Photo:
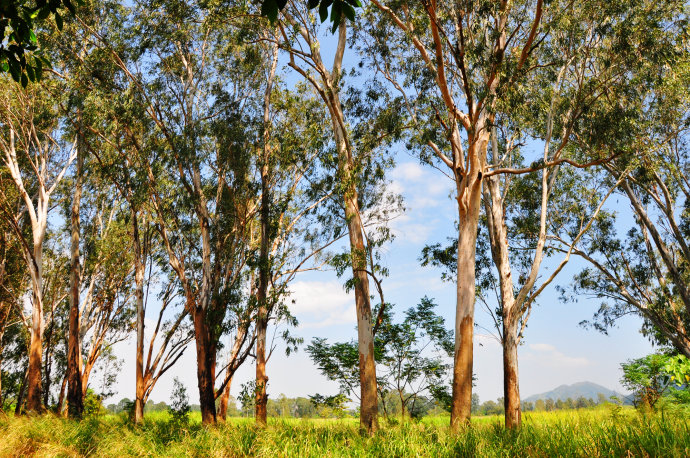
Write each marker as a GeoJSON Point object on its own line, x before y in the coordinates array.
{"type": "Point", "coordinates": [646, 378]}
{"type": "Point", "coordinates": [179, 407]}
{"type": "Point", "coordinates": [410, 358]}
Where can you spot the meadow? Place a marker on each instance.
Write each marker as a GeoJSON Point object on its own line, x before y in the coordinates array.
{"type": "Point", "coordinates": [601, 431]}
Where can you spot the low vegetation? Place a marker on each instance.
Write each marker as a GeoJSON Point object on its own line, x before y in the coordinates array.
{"type": "Point", "coordinates": [603, 431]}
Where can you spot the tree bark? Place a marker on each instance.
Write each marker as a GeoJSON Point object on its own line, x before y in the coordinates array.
{"type": "Point", "coordinates": [34, 382]}
{"type": "Point", "coordinates": [205, 376]}
{"type": "Point", "coordinates": [469, 200]}
{"type": "Point", "coordinates": [75, 403]}
{"type": "Point", "coordinates": [224, 400]}
{"type": "Point", "coordinates": [261, 396]}
{"type": "Point", "coordinates": [139, 266]}
{"type": "Point", "coordinates": [511, 382]}
{"type": "Point", "coordinates": [61, 398]}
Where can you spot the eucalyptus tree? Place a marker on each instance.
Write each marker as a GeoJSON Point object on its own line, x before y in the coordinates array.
{"type": "Point", "coordinates": [453, 62]}
{"type": "Point", "coordinates": [590, 63]}
{"type": "Point", "coordinates": [358, 173]}
{"type": "Point", "coordinates": [296, 188]}
{"type": "Point", "coordinates": [644, 272]}
{"type": "Point", "coordinates": [462, 68]}
{"type": "Point", "coordinates": [196, 88]}
{"type": "Point", "coordinates": [37, 157]}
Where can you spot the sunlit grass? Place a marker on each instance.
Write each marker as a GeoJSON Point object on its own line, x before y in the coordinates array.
{"type": "Point", "coordinates": [605, 431]}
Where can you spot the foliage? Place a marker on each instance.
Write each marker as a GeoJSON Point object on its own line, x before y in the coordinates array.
{"type": "Point", "coordinates": [20, 54]}
{"type": "Point", "coordinates": [410, 357]}
{"type": "Point", "coordinates": [328, 406]}
{"type": "Point", "coordinates": [652, 376]}
{"type": "Point", "coordinates": [93, 404]}
{"type": "Point", "coordinates": [179, 406]}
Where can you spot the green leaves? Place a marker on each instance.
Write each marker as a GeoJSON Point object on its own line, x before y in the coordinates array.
{"type": "Point", "coordinates": [338, 9]}
{"type": "Point", "coordinates": [18, 41]}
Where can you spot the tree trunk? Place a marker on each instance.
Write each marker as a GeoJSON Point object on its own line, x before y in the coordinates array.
{"type": "Point", "coordinates": [75, 403]}
{"type": "Point", "coordinates": [47, 366]}
{"type": "Point", "coordinates": [368, 420]}
{"type": "Point", "coordinates": [511, 386]}
{"type": "Point", "coordinates": [207, 399]}
{"type": "Point", "coordinates": [61, 398]}
{"type": "Point", "coordinates": [20, 395]}
{"type": "Point", "coordinates": [261, 397]}
{"type": "Point", "coordinates": [34, 382]}
{"type": "Point", "coordinates": [139, 266]}
{"type": "Point", "coordinates": [368, 416]}
{"type": "Point", "coordinates": [469, 200]}
{"type": "Point", "coordinates": [224, 399]}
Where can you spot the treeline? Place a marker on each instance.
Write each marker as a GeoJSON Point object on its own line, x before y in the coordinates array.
{"type": "Point", "coordinates": [540, 405]}
{"type": "Point", "coordinates": [174, 164]}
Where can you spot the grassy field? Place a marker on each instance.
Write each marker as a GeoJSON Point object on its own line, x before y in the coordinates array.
{"type": "Point", "coordinates": [604, 431]}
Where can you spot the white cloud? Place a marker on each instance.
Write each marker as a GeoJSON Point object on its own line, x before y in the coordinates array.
{"type": "Point", "coordinates": [318, 304]}
{"type": "Point", "coordinates": [549, 356]}
{"type": "Point", "coordinates": [408, 171]}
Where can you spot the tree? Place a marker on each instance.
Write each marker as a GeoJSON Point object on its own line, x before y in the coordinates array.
{"type": "Point", "coordinates": [410, 357]}
{"type": "Point", "coordinates": [356, 172]}
{"type": "Point", "coordinates": [37, 158]}
{"type": "Point", "coordinates": [647, 378]}
{"type": "Point", "coordinates": [452, 91]}
{"type": "Point", "coordinates": [642, 271]}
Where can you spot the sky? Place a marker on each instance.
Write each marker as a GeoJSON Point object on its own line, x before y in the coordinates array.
{"type": "Point", "coordinates": [555, 350]}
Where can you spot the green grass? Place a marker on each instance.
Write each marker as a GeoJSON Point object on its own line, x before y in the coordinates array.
{"type": "Point", "coordinates": [590, 433]}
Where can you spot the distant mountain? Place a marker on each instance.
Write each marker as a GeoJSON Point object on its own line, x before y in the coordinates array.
{"type": "Point", "coordinates": [574, 391]}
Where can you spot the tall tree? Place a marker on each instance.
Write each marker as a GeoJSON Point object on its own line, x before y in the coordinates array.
{"type": "Point", "coordinates": [37, 157]}
{"type": "Point", "coordinates": [352, 160]}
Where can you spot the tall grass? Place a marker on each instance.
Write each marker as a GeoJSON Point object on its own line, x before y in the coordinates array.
{"type": "Point", "coordinates": [591, 433]}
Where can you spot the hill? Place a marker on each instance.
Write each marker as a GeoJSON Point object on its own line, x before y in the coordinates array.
{"type": "Point", "coordinates": [574, 391]}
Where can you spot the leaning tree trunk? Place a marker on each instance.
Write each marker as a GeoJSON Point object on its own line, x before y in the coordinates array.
{"type": "Point", "coordinates": [75, 402]}
{"type": "Point", "coordinates": [224, 400]}
{"type": "Point", "coordinates": [61, 398]}
{"type": "Point", "coordinates": [204, 372]}
{"type": "Point", "coordinates": [469, 199]}
{"type": "Point", "coordinates": [139, 271]}
{"type": "Point", "coordinates": [368, 419]}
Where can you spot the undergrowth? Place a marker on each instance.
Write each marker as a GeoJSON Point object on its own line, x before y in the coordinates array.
{"type": "Point", "coordinates": [590, 433]}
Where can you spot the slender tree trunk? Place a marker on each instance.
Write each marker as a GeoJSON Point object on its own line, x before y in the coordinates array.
{"type": "Point", "coordinates": [47, 366]}
{"type": "Point", "coordinates": [139, 266]}
{"type": "Point", "coordinates": [75, 404]}
{"type": "Point", "coordinates": [368, 420]}
{"type": "Point", "coordinates": [261, 398]}
{"type": "Point", "coordinates": [4, 314]}
{"type": "Point", "coordinates": [469, 200]}
{"type": "Point", "coordinates": [224, 400]}
{"type": "Point", "coordinates": [61, 398]}
{"type": "Point", "coordinates": [207, 399]}
{"type": "Point", "coordinates": [20, 395]}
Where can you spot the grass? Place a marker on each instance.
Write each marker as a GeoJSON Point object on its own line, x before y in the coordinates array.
{"type": "Point", "coordinates": [592, 433]}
